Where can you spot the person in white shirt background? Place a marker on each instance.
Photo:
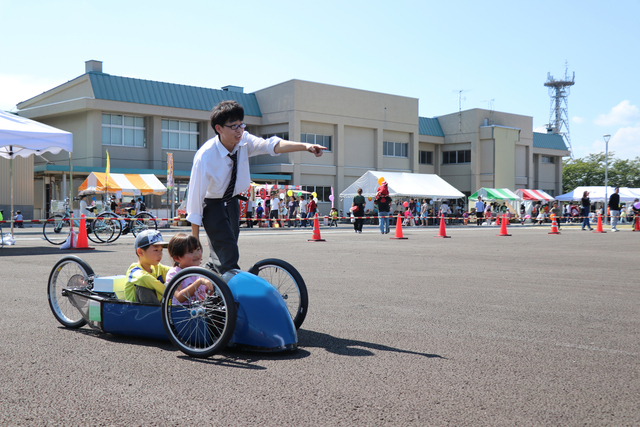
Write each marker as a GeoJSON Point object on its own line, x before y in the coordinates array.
{"type": "Point", "coordinates": [220, 172]}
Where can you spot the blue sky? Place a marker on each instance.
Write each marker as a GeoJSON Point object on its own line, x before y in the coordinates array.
{"type": "Point", "coordinates": [494, 50]}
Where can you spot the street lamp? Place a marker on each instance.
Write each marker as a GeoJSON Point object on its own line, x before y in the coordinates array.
{"type": "Point", "coordinates": [606, 137]}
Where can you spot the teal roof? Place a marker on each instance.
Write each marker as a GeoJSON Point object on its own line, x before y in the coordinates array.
{"type": "Point", "coordinates": [430, 126]}
{"type": "Point", "coordinates": [138, 91]}
{"type": "Point", "coordinates": [552, 141]}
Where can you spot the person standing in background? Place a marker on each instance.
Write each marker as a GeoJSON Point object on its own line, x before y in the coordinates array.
{"type": "Point", "coordinates": [614, 208]}
{"type": "Point", "coordinates": [479, 211]}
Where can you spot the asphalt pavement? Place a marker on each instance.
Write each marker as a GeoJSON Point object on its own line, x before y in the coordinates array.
{"type": "Point", "coordinates": [530, 329]}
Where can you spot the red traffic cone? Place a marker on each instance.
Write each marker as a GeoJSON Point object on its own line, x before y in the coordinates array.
{"type": "Point", "coordinates": [442, 232]}
{"type": "Point", "coordinates": [599, 227]}
{"type": "Point", "coordinates": [497, 219]}
{"type": "Point", "coordinates": [503, 227]}
{"type": "Point", "coordinates": [637, 221]}
{"type": "Point", "coordinates": [554, 226]}
{"type": "Point", "coordinates": [316, 231]}
{"type": "Point", "coordinates": [399, 229]}
{"type": "Point", "coordinates": [82, 242]}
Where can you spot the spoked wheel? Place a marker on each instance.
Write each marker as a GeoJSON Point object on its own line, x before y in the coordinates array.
{"type": "Point", "coordinates": [143, 221]}
{"type": "Point", "coordinates": [106, 227]}
{"type": "Point", "coordinates": [56, 229]}
{"type": "Point", "coordinates": [200, 325]}
{"type": "Point", "coordinates": [68, 273]}
{"type": "Point", "coordinates": [288, 282]}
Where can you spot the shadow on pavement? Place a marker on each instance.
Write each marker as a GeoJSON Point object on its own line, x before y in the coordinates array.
{"type": "Point", "coordinates": [52, 250]}
{"type": "Point", "coordinates": [347, 347]}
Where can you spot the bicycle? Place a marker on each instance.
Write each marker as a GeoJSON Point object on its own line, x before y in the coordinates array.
{"type": "Point", "coordinates": [57, 227]}
{"type": "Point", "coordinates": [135, 224]}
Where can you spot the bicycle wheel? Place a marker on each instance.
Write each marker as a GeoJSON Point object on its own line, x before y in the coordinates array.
{"type": "Point", "coordinates": [143, 221]}
{"type": "Point", "coordinates": [68, 273]}
{"type": "Point", "coordinates": [56, 229]}
{"type": "Point", "coordinates": [288, 282]}
{"type": "Point", "coordinates": [106, 227]}
{"type": "Point", "coordinates": [199, 327]}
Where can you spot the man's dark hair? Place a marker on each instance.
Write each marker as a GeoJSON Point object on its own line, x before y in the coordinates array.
{"type": "Point", "coordinates": [226, 111]}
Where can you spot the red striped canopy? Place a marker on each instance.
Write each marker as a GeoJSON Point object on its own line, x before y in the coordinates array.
{"type": "Point", "coordinates": [533, 195]}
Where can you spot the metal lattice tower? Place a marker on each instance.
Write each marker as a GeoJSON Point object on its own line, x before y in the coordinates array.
{"type": "Point", "coordinates": [559, 115]}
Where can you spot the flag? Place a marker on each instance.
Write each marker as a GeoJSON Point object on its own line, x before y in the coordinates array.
{"type": "Point", "coordinates": [107, 171]}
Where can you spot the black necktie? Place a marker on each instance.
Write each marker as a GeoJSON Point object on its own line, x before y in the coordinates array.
{"type": "Point", "coordinates": [228, 193]}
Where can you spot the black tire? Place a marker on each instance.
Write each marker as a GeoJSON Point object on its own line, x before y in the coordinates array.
{"type": "Point", "coordinates": [70, 272]}
{"type": "Point", "coordinates": [106, 227]}
{"type": "Point", "coordinates": [199, 328]}
{"type": "Point", "coordinates": [56, 229]}
{"type": "Point", "coordinates": [288, 282]}
{"type": "Point", "coordinates": [143, 221]}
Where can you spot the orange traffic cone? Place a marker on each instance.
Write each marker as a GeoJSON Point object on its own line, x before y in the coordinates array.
{"type": "Point", "coordinates": [503, 227]}
{"type": "Point", "coordinates": [637, 221]}
{"type": "Point", "coordinates": [599, 227]}
{"type": "Point", "coordinates": [554, 226]}
{"type": "Point", "coordinates": [442, 232]}
{"type": "Point", "coordinates": [316, 231]}
{"type": "Point", "coordinates": [497, 219]}
{"type": "Point", "coordinates": [82, 242]}
{"type": "Point", "coordinates": [399, 229]}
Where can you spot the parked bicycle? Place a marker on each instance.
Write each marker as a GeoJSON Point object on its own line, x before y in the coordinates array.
{"type": "Point", "coordinates": [57, 227]}
{"type": "Point", "coordinates": [129, 223]}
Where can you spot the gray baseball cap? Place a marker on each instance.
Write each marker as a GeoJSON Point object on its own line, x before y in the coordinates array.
{"type": "Point", "coordinates": [148, 238]}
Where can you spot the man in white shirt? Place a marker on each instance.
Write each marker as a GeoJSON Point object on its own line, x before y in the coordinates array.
{"type": "Point", "coordinates": [303, 211]}
{"type": "Point", "coordinates": [220, 172]}
{"type": "Point", "coordinates": [275, 209]}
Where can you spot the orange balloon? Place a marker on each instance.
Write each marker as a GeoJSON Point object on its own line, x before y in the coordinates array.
{"type": "Point", "coordinates": [380, 180]}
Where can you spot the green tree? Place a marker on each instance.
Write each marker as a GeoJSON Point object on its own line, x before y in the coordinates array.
{"type": "Point", "coordinates": [590, 171]}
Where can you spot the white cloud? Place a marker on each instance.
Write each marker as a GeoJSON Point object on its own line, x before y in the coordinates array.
{"type": "Point", "coordinates": [18, 88]}
{"type": "Point", "coordinates": [625, 143]}
{"type": "Point", "coordinates": [577, 120]}
{"type": "Point", "coordinates": [623, 114]}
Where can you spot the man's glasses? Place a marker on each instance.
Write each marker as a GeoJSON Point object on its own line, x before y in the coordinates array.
{"type": "Point", "coordinates": [236, 127]}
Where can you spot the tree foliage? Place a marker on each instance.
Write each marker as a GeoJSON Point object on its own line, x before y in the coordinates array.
{"type": "Point", "coordinates": [590, 170]}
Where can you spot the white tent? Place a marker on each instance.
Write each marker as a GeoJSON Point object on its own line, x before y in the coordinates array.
{"type": "Point", "coordinates": [400, 185]}
{"type": "Point", "coordinates": [404, 185]}
{"type": "Point", "coordinates": [22, 137]}
{"type": "Point", "coordinates": [597, 194]}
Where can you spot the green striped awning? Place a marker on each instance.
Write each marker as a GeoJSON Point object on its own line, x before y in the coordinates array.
{"type": "Point", "coordinates": [494, 194]}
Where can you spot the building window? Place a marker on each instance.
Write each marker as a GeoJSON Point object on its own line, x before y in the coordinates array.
{"type": "Point", "coordinates": [395, 149]}
{"type": "Point", "coordinates": [456, 157]}
{"type": "Point", "coordinates": [426, 157]}
{"type": "Point", "coordinates": [180, 135]}
{"type": "Point", "coordinates": [322, 192]}
{"type": "Point", "coordinates": [548, 159]}
{"type": "Point", "coordinates": [128, 131]}
{"type": "Point", "coordinates": [552, 193]}
{"type": "Point", "coordinates": [283, 135]}
{"type": "Point", "coordinates": [312, 138]}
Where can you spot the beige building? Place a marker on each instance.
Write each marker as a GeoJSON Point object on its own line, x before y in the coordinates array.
{"type": "Point", "coordinates": [140, 121]}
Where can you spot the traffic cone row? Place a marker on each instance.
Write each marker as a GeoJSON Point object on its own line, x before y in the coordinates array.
{"type": "Point", "coordinates": [599, 226]}
{"type": "Point", "coordinates": [503, 227]}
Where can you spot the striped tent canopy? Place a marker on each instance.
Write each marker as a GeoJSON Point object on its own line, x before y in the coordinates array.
{"type": "Point", "coordinates": [534, 195]}
{"type": "Point", "coordinates": [491, 194]}
{"type": "Point", "coordinates": [128, 184]}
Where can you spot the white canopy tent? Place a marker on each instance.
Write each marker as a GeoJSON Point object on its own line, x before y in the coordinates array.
{"type": "Point", "coordinates": [22, 137]}
{"type": "Point", "coordinates": [401, 184]}
{"type": "Point", "coordinates": [597, 194]}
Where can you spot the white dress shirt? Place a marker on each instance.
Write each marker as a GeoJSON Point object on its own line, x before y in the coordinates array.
{"type": "Point", "coordinates": [211, 170]}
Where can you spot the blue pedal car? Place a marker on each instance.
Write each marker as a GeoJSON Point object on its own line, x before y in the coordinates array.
{"type": "Point", "coordinates": [259, 310]}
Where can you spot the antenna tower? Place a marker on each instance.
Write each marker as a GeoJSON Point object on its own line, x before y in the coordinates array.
{"type": "Point", "coordinates": [559, 115]}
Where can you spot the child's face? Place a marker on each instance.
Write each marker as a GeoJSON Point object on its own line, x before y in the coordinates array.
{"type": "Point", "coordinates": [190, 259]}
{"type": "Point", "coordinates": [151, 255]}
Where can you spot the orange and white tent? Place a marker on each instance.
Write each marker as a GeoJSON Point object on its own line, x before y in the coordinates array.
{"type": "Point", "coordinates": [129, 184]}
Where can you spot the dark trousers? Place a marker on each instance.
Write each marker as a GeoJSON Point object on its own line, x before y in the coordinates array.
{"type": "Point", "coordinates": [478, 218]}
{"type": "Point", "coordinates": [358, 224]}
{"type": "Point", "coordinates": [221, 222]}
